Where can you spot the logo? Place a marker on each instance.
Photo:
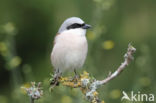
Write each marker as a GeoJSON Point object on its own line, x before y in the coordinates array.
{"type": "Point", "coordinates": [137, 96]}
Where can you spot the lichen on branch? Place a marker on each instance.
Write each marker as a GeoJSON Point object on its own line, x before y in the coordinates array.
{"type": "Point", "coordinates": [89, 85]}
{"type": "Point", "coordinates": [86, 83]}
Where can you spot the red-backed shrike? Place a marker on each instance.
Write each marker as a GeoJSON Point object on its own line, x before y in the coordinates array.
{"type": "Point", "coordinates": [70, 45]}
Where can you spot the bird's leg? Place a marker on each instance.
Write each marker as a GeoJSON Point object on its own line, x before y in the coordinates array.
{"type": "Point", "coordinates": [75, 72]}
{"type": "Point", "coordinates": [76, 76]}
{"type": "Point", "coordinates": [57, 75]}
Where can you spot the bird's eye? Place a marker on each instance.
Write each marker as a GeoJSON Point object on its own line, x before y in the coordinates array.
{"type": "Point", "coordinates": [75, 25]}
{"type": "Point", "coordinates": [82, 24]}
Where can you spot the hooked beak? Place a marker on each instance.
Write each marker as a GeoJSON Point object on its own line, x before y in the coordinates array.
{"type": "Point", "coordinates": [86, 26]}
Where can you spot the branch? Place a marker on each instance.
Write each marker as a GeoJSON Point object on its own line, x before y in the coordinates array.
{"type": "Point", "coordinates": [128, 58]}
{"type": "Point", "coordinates": [88, 85]}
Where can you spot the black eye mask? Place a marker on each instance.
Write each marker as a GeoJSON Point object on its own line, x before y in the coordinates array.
{"type": "Point", "coordinates": [75, 25]}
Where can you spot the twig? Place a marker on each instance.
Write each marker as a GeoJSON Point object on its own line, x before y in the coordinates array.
{"type": "Point", "coordinates": [88, 85]}
{"type": "Point", "coordinates": [128, 58]}
{"type": "Point", "coordinates": [34, 92]}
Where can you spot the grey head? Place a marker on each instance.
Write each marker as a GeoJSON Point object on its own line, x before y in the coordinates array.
{"type": "Point", "coordinates": [73, 23]}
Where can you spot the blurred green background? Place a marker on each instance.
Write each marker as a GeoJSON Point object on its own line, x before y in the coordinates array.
{"type": "Point", "coordinates": [27, 30]}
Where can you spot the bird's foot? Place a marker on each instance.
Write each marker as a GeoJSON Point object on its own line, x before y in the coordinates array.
{"type": "Point", "coordinates": [76, 78]}
{"type": "Point", "coordinates": [55, 81]}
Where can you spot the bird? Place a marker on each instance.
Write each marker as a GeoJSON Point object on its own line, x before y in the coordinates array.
{"type": "Point", "coordinates": [70, 46]}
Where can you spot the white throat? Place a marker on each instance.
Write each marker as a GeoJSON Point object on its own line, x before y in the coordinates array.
{"type": "Point", "coordinates": [77, 31]}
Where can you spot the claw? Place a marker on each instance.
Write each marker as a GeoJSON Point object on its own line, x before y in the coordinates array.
{"type": "Point", "coordinates": [55, 81]}
{"type": "Point", "coordinates": [76, 77]}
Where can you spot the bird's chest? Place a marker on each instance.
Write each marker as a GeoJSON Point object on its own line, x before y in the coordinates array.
{"type": "Point", "coordinates": [72, 43]}
{"type": "Point", "coordinates": [73, 49]}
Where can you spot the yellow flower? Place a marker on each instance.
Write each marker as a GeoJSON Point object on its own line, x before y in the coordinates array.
{"type": "Point", "coordinates": [114, 94]}
{"type": "Point", "coordinates": [84, 75]}
{"type": "Point", "coordinates": [102, 102]}
{"type": "Point", "coordinates": [95, 93]}
{"type": "Point", "coordinates": [109, 44]}
{"type": "Point", "coordinates": [26, 85]}
{"type": "Point", "coordinates": [15, 61]}
{"type": "Point", "coordinates": [91, 35]}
